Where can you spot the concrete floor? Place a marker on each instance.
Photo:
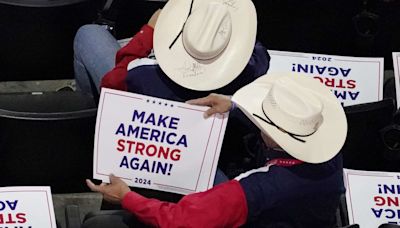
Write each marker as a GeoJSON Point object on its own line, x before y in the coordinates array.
{"type": "Point", "coordinates": [35, 86]}
{"type": "Point", "coordinates": [87, 202]}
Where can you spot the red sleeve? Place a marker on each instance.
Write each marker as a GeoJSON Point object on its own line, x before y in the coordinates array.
{"type": "Point", "coordinates": [222, 206]}
{"type": "Point", "coordinates": [139, 47]}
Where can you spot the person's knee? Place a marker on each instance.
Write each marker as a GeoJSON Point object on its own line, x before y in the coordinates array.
{"type": "Point", "coordinates": [84, 33]}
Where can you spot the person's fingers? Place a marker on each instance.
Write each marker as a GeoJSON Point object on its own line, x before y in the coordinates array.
{"type": "Point", "coordinates": [153, 19]}
{"type": "Point", "coordinates": [117, 181]}
{"type": "Point", "coordinates": [211, 111]}
{"type": "Point", "coordinates": [92, 186]}
{"type": "Point", "coordinates": [217, 103]}
{"type": "Point", "coordinates": [204, 101]}
{"type": "Point", "coordinates": [114, 179]}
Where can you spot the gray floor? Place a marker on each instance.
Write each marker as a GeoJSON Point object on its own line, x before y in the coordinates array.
{"type": "Point", "coordinates": [86, 201]}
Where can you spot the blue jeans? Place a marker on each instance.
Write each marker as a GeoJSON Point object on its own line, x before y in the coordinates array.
{"type": "Point", "coordinates": [94, 55]}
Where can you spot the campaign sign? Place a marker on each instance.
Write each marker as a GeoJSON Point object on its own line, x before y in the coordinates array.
{"type": "Point", "coordinates": [373, 198]}
{"type": "Point", "coordinates": [26, 207]}
{"type": "Point", "coordinates": [353, 80]}
{"type": "Point", "coordinates": [156, 143]}
{"type": "Point", "coordinates": [396, 67]}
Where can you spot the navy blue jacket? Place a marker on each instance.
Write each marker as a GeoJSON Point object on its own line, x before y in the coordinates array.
{"type": "Point", "coordinates": [304, 195]}
{"type": "Point", "coordinates": [151, 80]}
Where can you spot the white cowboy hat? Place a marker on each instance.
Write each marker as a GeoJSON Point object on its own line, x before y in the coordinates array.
{"type": "Point", "coordinates": [299, 113]}
{"type": "Point", "coordinates": [209, 48]}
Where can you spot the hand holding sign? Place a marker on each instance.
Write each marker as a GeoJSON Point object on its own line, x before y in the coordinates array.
{"type": "Point", "coordinates": [113, 192]}
{"type": "Point", "coordinates": [158, 144]}
{"type": "Point", "coordinates": [218, 103]}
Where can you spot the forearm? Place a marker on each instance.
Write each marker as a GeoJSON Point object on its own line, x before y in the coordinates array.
{"type": "Point", "coordinates": [222, 206]}
{"type": "Point", "coordinates": [139, 47]}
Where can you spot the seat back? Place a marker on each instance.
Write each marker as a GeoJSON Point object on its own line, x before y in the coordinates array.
{"type": "Point", "coordinates": [364, 148]}
{"type": "Point", "coordinates": [47, 139]}
{"type": "Point", "coordinates": [388, 225]}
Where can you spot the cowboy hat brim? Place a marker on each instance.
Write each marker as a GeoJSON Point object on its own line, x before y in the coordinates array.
{"type": "Point", "coordinates": [204, 75]}
{"type": "Point", "coordinates": [319, 147]}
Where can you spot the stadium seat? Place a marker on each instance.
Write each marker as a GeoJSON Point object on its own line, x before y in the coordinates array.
{"type": "Point", "coordinates": [100, 219]}
{"type": "Point", "coordinates": [387, 225]}
{"type": "Point", "coordinates": [46, 139]}
{"type": "Point", "coordinates": [364, 148]}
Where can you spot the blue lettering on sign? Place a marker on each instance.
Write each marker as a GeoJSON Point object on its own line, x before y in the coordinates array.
{"type": "Point", "coordinates": [121, 130]}
{"type": "Point", "coordinates": [377, 212]}
{"type": "Point", "coordinates": [160, 121]}
{"type": "Point", "coordinates": [182, 141]}
{"type": "Point", "coordinates": [134, 163]}
{"type": "Point", "coordinates": [389, 188]}
{"type": "Point", "coordinates": [11, 204]}
{"type": "Point", "coordinates": [316, 69]}
{"type": "Point", "coordinates": [387, 213]}
{"type": "Point", "coordinates": [136, 115]}
{"type": "Point", "coordinates": [343, 94]}
{"type": "Point", "coordinates": [152, 134]}
{"type": "Point", "coordinates": [322, 58]}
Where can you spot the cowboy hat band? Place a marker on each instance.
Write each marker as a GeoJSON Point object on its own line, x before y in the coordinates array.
{"type": "Point", "coordinates": [295, 136]}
